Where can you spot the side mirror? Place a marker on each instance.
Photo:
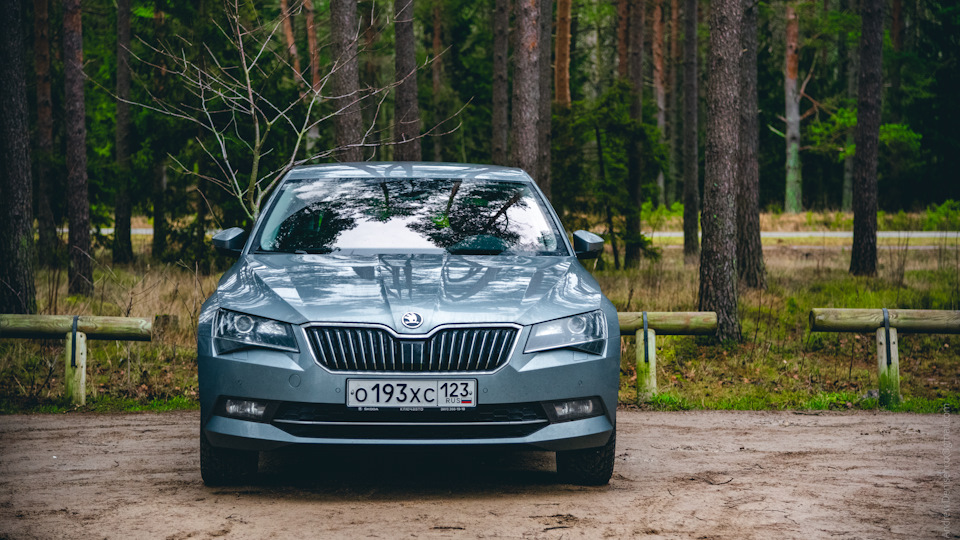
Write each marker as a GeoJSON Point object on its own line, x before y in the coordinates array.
{"type": "Point", "coordinates": [230, 241]}
{"type": "Point", "coordinates": [587, 245]}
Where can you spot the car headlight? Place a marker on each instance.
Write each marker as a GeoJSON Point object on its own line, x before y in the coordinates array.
{"type": "Point", "coordinates": [585, 332]}
{"type": "Point", "coordinates": [234, 331]}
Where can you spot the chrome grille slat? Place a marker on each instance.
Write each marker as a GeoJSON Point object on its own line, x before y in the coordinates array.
{"type": "Point", "coordinates": [371, 349]}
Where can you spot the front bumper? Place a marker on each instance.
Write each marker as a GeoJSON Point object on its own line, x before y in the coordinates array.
{"type": "Point", "coordinates": [285, 378]}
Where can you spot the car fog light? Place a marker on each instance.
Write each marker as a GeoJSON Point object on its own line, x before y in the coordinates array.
{"type": "Point", "coordinates": [575, 409]}
{"type": "Point", "coordinates": [241, 408]}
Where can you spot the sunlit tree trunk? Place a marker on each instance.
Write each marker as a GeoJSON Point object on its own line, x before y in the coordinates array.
{"type": "Point", "coordinates": [749, 249]}
{"type": "Point", "coordinates": [545, 121]}
{"type": "Point", "coordinates": [863, 256]}
{"type": "Point", "coordinates": [80, 274]}
{"type": "Point", "coordinates": [691, 187]}
{"type": "Point", "coordinates": [407, 120]}
{"type": "Point", "coordinates": [314, 51]}
{"type": "Point", "coordinates": [17, 288]}
{"type": "Point", "coordinates": [718, 258]}
{"type": "Point", "coordinates": [47, 244]}
{"type": "Point", "coordinates": [794, 195]}
{"type": "Point", "coordinates": [634, 155]}
{"type": "Point", "coordinates": [526, 86]}
{"type": "Point", "coordinates": [659, 87]}
{"type": "Point", "coordinates": [122, 247]}
{"type": "Point", "coordinates": [288, 35]}
{"type": "Point", "coordinates": [346, 79]}
{"type": "Point", "coordinates": [501, 94]}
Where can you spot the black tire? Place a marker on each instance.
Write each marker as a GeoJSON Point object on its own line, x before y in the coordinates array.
{"type": "Point", "coordinates": [225, 466]}
{"type": "Point", "coordinates": [588, 467]}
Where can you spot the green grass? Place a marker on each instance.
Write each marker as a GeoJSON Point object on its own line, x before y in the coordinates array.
{"type": "Point", "coordinates": [102, 404]}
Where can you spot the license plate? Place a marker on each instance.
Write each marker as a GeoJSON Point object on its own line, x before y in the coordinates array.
{"type": "Point", "coordinates": [414, 393]}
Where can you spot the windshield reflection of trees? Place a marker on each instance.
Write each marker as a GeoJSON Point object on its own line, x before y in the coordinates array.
{"type": "Point", "coordinates": [456, 216]}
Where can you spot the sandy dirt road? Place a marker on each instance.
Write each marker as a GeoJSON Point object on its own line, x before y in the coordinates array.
{"type": "Point", "coordinates": [678, 475]}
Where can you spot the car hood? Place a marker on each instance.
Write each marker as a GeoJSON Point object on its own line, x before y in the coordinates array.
{"type": "Point", "coordinates": [382, 288]}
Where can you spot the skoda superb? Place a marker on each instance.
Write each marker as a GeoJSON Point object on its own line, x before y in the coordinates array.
{"type": "Point", "coordinates": [408, 304]}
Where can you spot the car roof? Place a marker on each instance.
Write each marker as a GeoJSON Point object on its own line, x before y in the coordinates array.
{"type": "Point", "coordinates": [408, 169]}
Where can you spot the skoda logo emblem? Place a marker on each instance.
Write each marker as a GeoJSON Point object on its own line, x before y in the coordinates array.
{"type": "Point", "coordinates": [412, 320]}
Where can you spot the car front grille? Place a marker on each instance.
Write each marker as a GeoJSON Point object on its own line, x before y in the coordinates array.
{"type": "Point", "coordinates": [341, 348]}
{"type": "Point", "coordinates": [480, 422]}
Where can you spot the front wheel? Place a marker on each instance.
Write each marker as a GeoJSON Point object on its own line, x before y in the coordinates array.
{"type": "Point", "coordinates": [226, 466]}
{"type": "Point", "coordinates": [588, 467]}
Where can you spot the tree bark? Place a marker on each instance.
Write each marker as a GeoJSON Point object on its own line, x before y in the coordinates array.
{"type": "Point", "coordinates": [48, 244]}
{"type": "Point", "coordinates": [544, 123]}
{"type": "Point", "coordinates": [501, 95]}
{"type": "Point", "coordinates": [562, 56]}
{"type": "Point", "coordinates": [673, 104]}
{"type": "Point", "coordinates": [80, 274]}
{"type": "Point", "coordinates": [346, 80]}
{"type": "Point", "coordinates": [122, 246]}
{"type": "Point", "coordinates": [896, 36]}
{"type": "Point", "coordinates": [526, 86]}
{"type": "Point", "coordinates": [863, 256]}
{"type": "Point", "coordinates": [750, 266]}
{"type": "Point", "coordinates": [289, 37]}
{"type": "Point", "coordinates": [17, 287]}
{"type": "Point", "coordinates": [314, 49]}
{"type": "Point", "coordinates": [852, 69]}
{"type": "Point", "coordinates": [634, 157]}
{"type": "Point", "coordinates": [718, 260]}
{"type": "Point", "coordinates": [623, 46]}
{"type": "Point", "coordinates": [407, 120]}
{"type": "Point", "coordinates": [793, 201]}
{"type": "Point", "coordinates": [691, 182]}
{"type": "Point", "coordinates": [659, 88]}
{"type": "Point", "coordinates": [437, 69]}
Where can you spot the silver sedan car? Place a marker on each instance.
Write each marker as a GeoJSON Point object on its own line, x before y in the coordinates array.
{"type": "Point", "coordinates": [423, 304]}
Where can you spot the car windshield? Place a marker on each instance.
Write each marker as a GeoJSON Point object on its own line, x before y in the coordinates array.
{"type": "Point", "coordinates": [420, 215]}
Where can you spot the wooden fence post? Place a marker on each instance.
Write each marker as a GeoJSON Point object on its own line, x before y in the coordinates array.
{"type": "Point", "coordinates": [889, 367]}
{"type": "Point", "coordinates": [75, 382]}
{"type": "Point", "coordinates": [646, 364]}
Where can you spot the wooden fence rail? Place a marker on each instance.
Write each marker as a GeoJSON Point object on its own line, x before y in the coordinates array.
{"type": "Point", "coordinates": [886, 323]}
{"type": "Point", "coordinates": [645, 325]}
{"type": "Point", "coordinates": [77, 330]}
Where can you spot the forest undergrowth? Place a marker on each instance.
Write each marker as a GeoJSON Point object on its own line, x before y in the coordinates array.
{"type": "Point", "coordinates": [779, 364]}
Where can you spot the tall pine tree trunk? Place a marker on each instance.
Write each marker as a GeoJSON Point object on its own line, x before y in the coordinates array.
{"type": "Point", "coordinates": [122, 247]}
{"type": "Point", "coordinates": [288, 35]}
{"type": "Point", "coordinates": [501, 94]}
{"type": "Point", "coordinates": [47, 244]}
{"type": "Point", "coordinates": [346, 79]}
{"type": "Point", "coordinates": [634, 156]}
{"type": "Point", "coordinates": [863, 255]}
{"type": "Point", "coordinates": [749, 248]}
{"type": "Point", "coordinates": [80, 274]}
{"type": "Point", "coordinates": [562, 56]}
{"type": "Point", "coordinates": [852, 71]}
{"type": "Point", "coordinates": [673, 104]}
{"type": "Point", "coordinates": [437, 69]}
{"type": "Point", "coordinates": [718, 258]}
{"type": "Point", "coordinates": [623, 45]}
{"type": "Point", "coordinates": [691, 183]}
{"type": "Point", "coordinates": [545, 122]}
{"type": "Point", "coordinates": [407, 119]}
{"type": "Point", "coordinates": [313, 135]}
{"type": "Point", "coordinates": [793, 201]}
{"type": "Point", "coordinates": [17, 287]}
{"type": "Point", "coordinates": [526, 86]}
{"type": "Point", "coordinates": [659, 88]}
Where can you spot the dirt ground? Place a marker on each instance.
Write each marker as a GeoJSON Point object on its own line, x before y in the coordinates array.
{"type": "Point", "coordinates": [678, 475]}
